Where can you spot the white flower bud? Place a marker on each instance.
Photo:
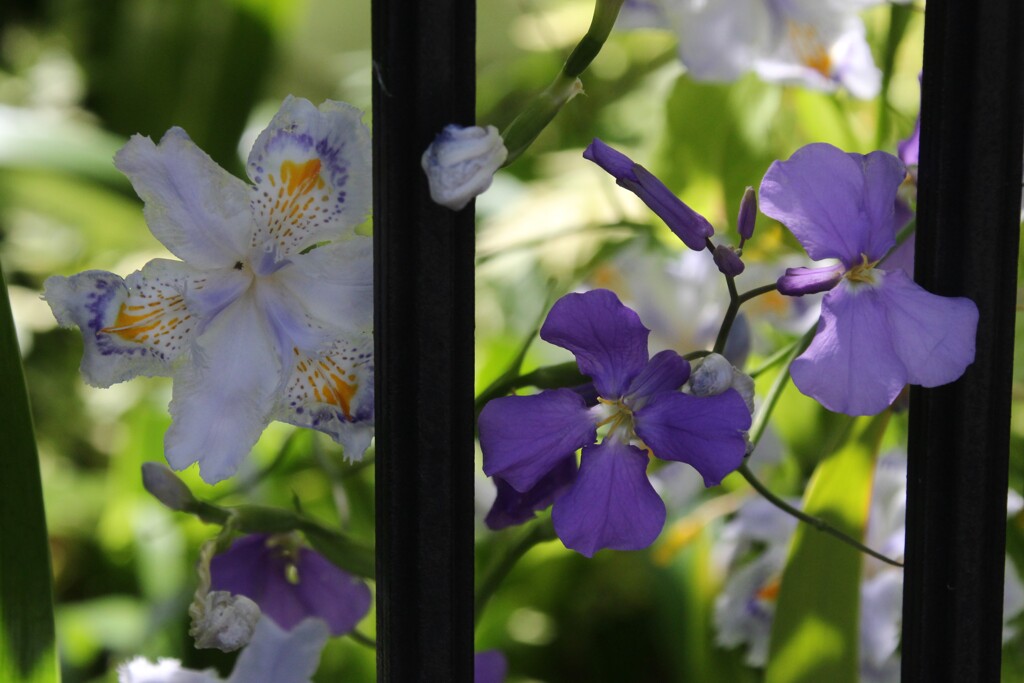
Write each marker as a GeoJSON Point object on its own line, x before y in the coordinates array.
{"type": "Point", "coordinates": [711, 375]}
{"type": "Point", "coordinates": [714, 374]}
{"type": "Point", "coordinates": [460, 163]}
{"type": "Point", "coordinates": [223, 621]}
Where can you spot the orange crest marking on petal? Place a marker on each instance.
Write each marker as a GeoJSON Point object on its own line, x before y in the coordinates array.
{"type": "Point", "coordinates": [301, 178]}
{"type": "Point", "coordinates": [770, 591]}
{"type": "Point", "coordinates": [159, 317]}
{"type": "Point", "coordinates": [326, 381]}
{"type": "Point", "coordinates": [809, 48]}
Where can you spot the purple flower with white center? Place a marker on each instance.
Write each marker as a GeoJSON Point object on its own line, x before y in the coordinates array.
{"type": "Point", "coordinates": [290, 582]}
{"type": "Point", "coordinates": [268, 314]}
{"type": "Point", "coordinates": [692, 228]}
{"type": "Point", "coordinates": [611, 503]}
{"type": "Point", "coordinates": [878, 330]}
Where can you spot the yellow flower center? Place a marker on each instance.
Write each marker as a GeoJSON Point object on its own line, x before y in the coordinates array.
{"type": "Point", "coordinates": [619, 418]}
{"type": "Point", "coordinates": [863, 272]}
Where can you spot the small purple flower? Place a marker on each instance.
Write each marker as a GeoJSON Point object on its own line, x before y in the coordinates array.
{"type": "Point", "coordinates": [692, 228]}
{"type": "Point", "coordinates": [878, 330]}
{"type": "Point", "coordinates": [611, 503]}
{"type": "Point", "coordinates": [489, 666]}
{"type": "Point", "coordinates": [290, 582]}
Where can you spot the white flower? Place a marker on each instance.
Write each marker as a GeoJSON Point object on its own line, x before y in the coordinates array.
{"type": "Point", "coordinates": [273, 656]}
{"type": "Point", "coordinates": [268, 314]}
{"type": "Point", "coordinates": [816, 43]}
{"type": "Point", "coordinates": [460, 163]}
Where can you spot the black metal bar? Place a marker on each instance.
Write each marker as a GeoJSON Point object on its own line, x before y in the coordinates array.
{"type": "Point", "coordinates": [424, 71]}
{"type": "Point", "coordinates": [969, 197]}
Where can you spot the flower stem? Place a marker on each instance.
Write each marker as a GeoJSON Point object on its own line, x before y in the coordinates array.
{"type": "Point", "coordinates": [735, 301]}
{"type": "Point", "coordinates": [521, 133]}
{"type": "Point", "coordinates": [772, 398]}
{"type": "Point", "coordinates": [540, 531]}
{"type": "Point", "coordinates": [362, 639]}
{"type": "Point", "coordinates": [817, 523]}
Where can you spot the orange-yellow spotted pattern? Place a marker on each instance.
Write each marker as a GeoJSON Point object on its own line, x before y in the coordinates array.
{"type": "Point", "coordinates": [325, 381]}
{"type": "Point", "coordinates": [809, 48]}
{"type": "Point", "coordinates": [290, 203]}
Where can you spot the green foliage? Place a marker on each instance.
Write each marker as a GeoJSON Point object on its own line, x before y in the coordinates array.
{"type": "Point", "coordinates": [28, 650]}
{"type": "Point", "coordinates": [816, 627]}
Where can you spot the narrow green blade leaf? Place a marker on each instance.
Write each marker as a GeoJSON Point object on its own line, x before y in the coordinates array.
{"type": "Point", "coordinates": [815, 633]}
{"type": "Point", "coordinates": [27, 646]}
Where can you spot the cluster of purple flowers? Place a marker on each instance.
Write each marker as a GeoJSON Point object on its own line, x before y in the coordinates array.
{"type": "Point", "coordinates": [878, 331]}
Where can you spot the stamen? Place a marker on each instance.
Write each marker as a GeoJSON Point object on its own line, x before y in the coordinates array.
{"type": "Point", "coordinates": [863, 272]}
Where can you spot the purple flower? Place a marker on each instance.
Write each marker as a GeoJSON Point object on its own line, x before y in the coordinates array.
{"type": "Point", "coordinates": [692, 228]}
{"type": "Point", "coordinates": [489, 666]}
{"type": "Point", "coordinates": [611, 503]}
{"type": "Point", "coordinates": [290, 582]}
{"type": "Point", "coordinates": [513, 507]}
{"type": "Point", "coordinates": [878, 329]}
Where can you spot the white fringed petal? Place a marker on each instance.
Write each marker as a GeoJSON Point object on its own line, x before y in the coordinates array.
{"type": "Point", "coordinates": [311, 167]}
{"type": "Point", "coordinates": [199, 211]}
{"type": "Point", "coordinates": [224, 399]}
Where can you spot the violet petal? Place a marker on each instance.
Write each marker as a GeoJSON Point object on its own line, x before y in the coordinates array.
{"type": "Point", "coordinates": [851, 366]}
{"type": "Point", "coordinates": [933, 335]}
{"type": "Point", "coordinates": [607, 338]}
{"type": "Point", "coordinates": [512, 507]}
{"type": "Point", "coordinates": [259, 571]}
{"type": "Point", "coordinates": [837, 205]}
{"type": "Point", "coordinates": [666, 371]}
{"type": "Point", "coordinates": [612, 504]}
{"type": "Point", "coordinates": [489, 666]}
{"type": "Point", "coordinates": [524, 437]}
{"type": "Point", "coordinates": [800, 281]}
{"type": "Point", "coordinates": [909, 149]}
{"type": "Point", "coordinates": [705, 432]}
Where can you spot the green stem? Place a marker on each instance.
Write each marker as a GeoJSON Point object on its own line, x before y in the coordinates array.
{"type": "Point", "coordinates": [363, 639]}
{"type": "Point", "coordinates": [817, 523]}
{"type": "Point", "coordinates": [521, 133]}
{"type": "Point", "coordinates": [735, 301]}
{"type": "Point", "coordinates": [540, 531]}
{"type": "Point", "coordinates": [772, 398]}
{"type": "Point", "coordinates": [773, 360]}
{"type": "Point", "coordinates": [547, 377]}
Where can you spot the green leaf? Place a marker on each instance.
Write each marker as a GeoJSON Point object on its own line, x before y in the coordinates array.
{"type": "Point", "coordinates": [27, 644]}
{"type": "Point", "coordinates": [815, 633]}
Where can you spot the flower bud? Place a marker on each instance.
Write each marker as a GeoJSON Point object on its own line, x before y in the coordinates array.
{"type": "Point", "coordinates": [223, 621]}
{"type": "Point", "coordinates": [748, 214]}
{"type": "Point", "coordinates": [165, 486]}
{"type": "Point", "coordinates": [692, 228]}
{"type": "Point", "coordinates": [714, 374]}
{"type": "Point", "coordinates": [711, 375]}
{"type": "Point", "coordinates": [727, 260]}
{"type": "Point", "coordinates": [460, 163]}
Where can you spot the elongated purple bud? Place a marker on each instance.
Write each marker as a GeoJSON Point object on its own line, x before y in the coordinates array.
{"type": "Point", "coordinates": [692, 228]}
{"type": "Point", "coordinates": [748, 214]}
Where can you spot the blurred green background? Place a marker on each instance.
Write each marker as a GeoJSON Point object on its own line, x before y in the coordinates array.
{"type": "Point", "coordinates": [79, 76]}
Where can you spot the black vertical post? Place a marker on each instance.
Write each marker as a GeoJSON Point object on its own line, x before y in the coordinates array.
{"type": "Point", "coordinates": [972, 114]}
{"type": "Point", "coordinates": [424, 77]}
